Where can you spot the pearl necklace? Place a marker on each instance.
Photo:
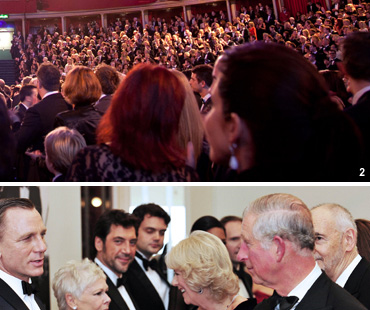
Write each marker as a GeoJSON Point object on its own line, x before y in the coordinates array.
{"type": "Point", "coordinates": [232, 300]}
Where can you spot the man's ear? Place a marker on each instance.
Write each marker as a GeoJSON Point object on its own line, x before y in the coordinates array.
{"type": "Point", "coordinates": [98, 242]}
{"type": "Point", "coordinates": [349, 239]}
{"type": "Point", "coordinates": [278, 248]}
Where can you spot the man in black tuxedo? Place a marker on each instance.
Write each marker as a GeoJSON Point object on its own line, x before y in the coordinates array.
{"type": "Point", "coordinates": [356, 62]}
{"type": "Point", "coordinates": [233, 229]}
{"type": "Point", "coordinates": [200, 82]}
{"type": "Point", "coordinates": [28, 98]}
{"type": "Point", "coordinates": [145, 276]}
{"type": "Point", "coordinates": [109, 80]}
{"type": "Point", "coordinates": [39, 119]}
{"type": "Point", "coordinates": [115, 238]}
{"type": "Point", "coordinates": [277, 248]}
{"type": "Point", "coordinates": [336, 251]}
{"type": "Point", "coordinates": [22, 249]}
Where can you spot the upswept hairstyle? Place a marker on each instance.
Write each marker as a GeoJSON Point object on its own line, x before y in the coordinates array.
{"type": "Point", "coordinates": [73, 278]}
{"type": "Point", "coordinates": [341, 216]}
{"type": "Point", "coordinates": [61, 146]}
{"type": "Point", "coordinates": [81, 86]}
{"type": "Point", "coordinates": [286, 105]}
{"type": "Point", "coordinates": [7, 203]}
{"type": "Point", "coordinates": [282, 215]}
{"type": "Point", "coordinates": [356, 56]}
{"type": "Point", "coordinates": [142, 123]}
{"type": "Point", "coordinates": [207, 222]}
{"type": "Point", "coordinates": [203, 261]}
{"type": "Point", "coordinates": [48, 76]}
{"type": "Point", "coordinates": [153, 210]}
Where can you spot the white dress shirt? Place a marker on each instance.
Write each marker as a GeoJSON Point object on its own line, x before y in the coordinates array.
{"type": "Point", "coordinates": [16, 285]}
{"type": "Point", "coordinates": [160, 285]}
{"type": "Point", "coordinates": [302, 288]}
{"type": "Point", "coordinates": [113, 277]}
{"type": "Point", "coordinates": [341, 281]}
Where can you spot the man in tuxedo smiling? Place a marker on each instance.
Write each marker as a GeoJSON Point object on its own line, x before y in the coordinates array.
{"type": "Point", "coordinates": [277, 248]}
{"type": "Point", "coordinates": [115, 243]}
{"type": "Point", "coordinates": [22, 249]}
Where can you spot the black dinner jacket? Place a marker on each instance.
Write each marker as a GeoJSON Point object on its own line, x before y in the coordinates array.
{"type": "Point", "coordinates": [103, 104]}
{"type": "Point", "coordinates": [358, 283]}
{"type": "Point", "coordinates": [324, 294]}
{"type": "Point", "coordinates": [9, 300]}
{"type": "Point", "coordinates": [360, 113]}
{"type": "Point", "coordinates": [246, 279]}
{"type": "Point", "coordinates": [39, 121]}
{"type": "Point", "coordinates": [142, 288]}
{"type": "Point", "coordinates": [117, 301]}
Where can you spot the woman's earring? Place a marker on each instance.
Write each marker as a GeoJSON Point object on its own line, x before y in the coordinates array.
{"type": "Point", "coordinates": [74, 308]}
{"type": "Point", "coordinates": [233, 162]}
{"type": "Point", "coordinates": [200, 291]}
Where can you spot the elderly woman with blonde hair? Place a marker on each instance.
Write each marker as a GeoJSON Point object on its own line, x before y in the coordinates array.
{"type": "Point", "coordinates": [204, 274]}
{"type": "Point", "coordinates": [81, 285]}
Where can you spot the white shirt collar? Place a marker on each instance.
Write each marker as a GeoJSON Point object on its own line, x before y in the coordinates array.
{"type": "Point", "coordinates": [341, 281]}
{"type": "Point", "coordinates": [24, 105]}
{"type": "Point", "coordinates": [107, 271]}
{"type": "Point", "coordinates": [302, 288]}
{"type": "Point", "coordinates": [359, 94]}
{"type": "Point", "coordinates": [50, 93]}
{"type": "Point", "coordinates": [205, 98]}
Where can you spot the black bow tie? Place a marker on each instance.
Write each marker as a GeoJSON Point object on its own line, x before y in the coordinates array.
{"type": "Point", "coordinates": [153, 264]}
{"type": "Point", "coordinates": [122, 281]}
{"type": "Point", "coordinates": [285, 303]}
{"type": "Point", "coordinates": [28, 289]}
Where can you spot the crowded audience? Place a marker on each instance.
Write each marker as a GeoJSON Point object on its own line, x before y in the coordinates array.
{"type": "Point", "coordinates": [313, 41]}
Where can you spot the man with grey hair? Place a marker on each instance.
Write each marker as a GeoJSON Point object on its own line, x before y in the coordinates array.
{"type": "Point", "coordinates": [277, 248]}
{"type": "Point", "coordinates": [336, 251]}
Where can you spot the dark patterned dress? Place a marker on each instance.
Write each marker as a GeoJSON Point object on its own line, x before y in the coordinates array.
{"type": "Point", "coordinates": [98, 164]}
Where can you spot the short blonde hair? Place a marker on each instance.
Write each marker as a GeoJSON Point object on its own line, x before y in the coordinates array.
{"type": "Point", "coordinates": [61, 146]}
{"type": "Point", "coordinates": [73, 278]}
{"type": "Point", "coordinates": [204, 262]}
{"type": "Point", "coordinates": [81, 86]}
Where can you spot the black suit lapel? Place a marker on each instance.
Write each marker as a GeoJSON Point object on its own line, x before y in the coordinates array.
{"type": "Point", "coordinates": [353, 283]}
{"type": "Point", "coordinates": [115, 296]}
{"type": "Point", "coordinates": [11, 297]}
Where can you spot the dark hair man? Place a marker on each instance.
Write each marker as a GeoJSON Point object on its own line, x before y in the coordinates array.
{"type": "Point", "coordinates": [356, 63]}
{"type": "Point", "coordinates": [277, 248]}
{"type": "Point", "coordinates": [109, 80]}
{"type": "Point", "coordinates": [39, 119]}
{"type": "Point", "coordinates": [233, 228]}
{"type": "Point", "coordinates": [336, 251]}
{"type": "Point", "coordinates": [22, 249]}
{"type": "Point", "coordinates": [200, 82]}
{"type": "Point", "coordinates": [28, 98]}
{"type": "Point", "coordinates": [115, 237]}
{"type": "Point", "coordinates": [147, 282]}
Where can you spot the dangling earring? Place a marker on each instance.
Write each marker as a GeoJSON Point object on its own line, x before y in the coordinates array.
{"type": "Point", "coordinates": [74, 308]}
{"type": "Point", "coordinates": [200, 291]}
{"type": "Point", "coordinates": [233, 162]}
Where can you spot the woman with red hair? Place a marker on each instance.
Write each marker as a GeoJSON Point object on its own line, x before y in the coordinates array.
{"type": "Point", "coordinates": [138, 135]}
